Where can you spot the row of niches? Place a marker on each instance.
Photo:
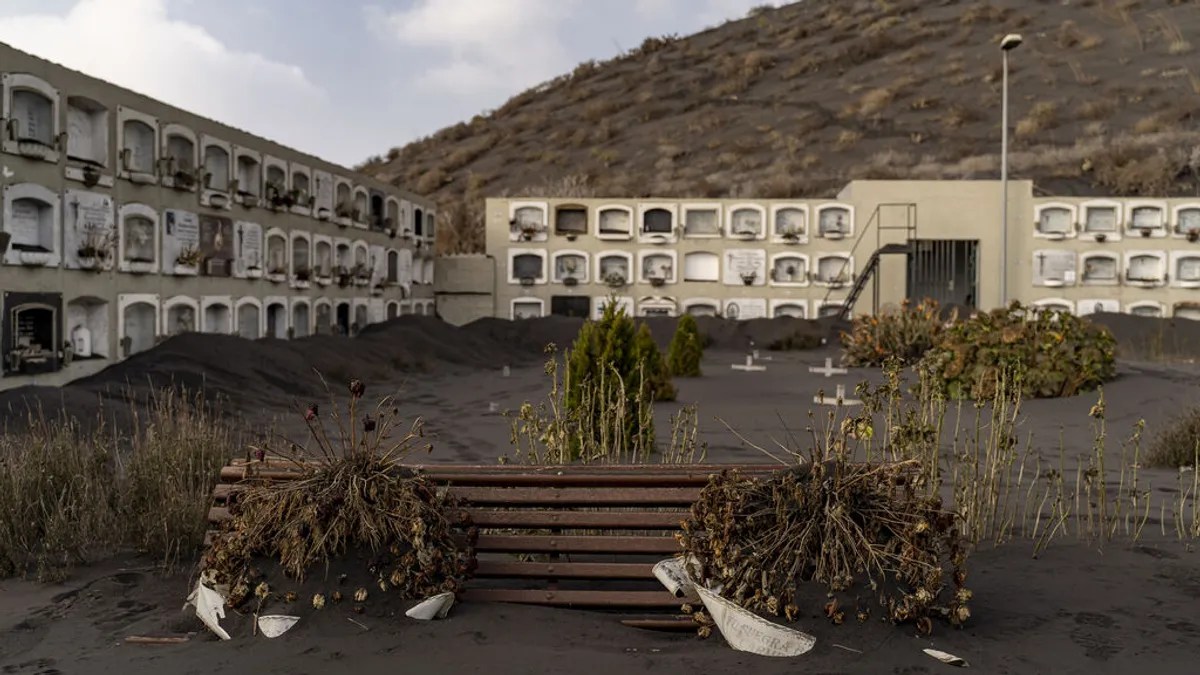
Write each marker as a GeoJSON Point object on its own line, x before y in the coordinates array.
{"type": "Point", "coordinates": [662, 223]}
{"type": "Point", "coordinates": [659, 267]}
{"type": "Point", "coordinates": [734, 308]}
{"type": "Point", "coordinates": [1142, 268]}
{"type": "Point", "coordinates": [92, 234]}
{"type": "Point", "coordinates": [1147, 308]}
{"type": "Point", "coordinates": [41, 335]}
{"type": "Point", "coordinates": [97, 145]}
{"type": "Point", "coordinates": [1104, 220]}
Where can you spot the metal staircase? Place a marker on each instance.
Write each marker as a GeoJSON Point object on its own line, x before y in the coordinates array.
{"type": "Point", "coordinates": [868, 273]}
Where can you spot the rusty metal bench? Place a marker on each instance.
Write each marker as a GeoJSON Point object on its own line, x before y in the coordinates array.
{"type": "Point", "coordinates": [566, 536]}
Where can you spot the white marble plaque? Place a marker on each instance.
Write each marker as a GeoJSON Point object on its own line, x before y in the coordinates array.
{"type": "Point", "coordinates": [90, 226]}
{"type": "Point", "coordinates": [323, 190]}
{"type": "Point", "coordinates": [1050, 267]}
{"type": "Point", "coordinates": [742, 309]}
{"type": "Point", "coordinates": [181, 230]}
{"type": "Point", "coordinates": [249, 247]}
{"type": "Point", "coordinates": [745, 267]}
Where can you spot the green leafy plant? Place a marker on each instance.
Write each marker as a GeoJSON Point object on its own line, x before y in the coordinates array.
{"type": "Point", "coordinates": [686, 349]}
{"type": "Point", "coordinates": [907, 335]}
{"type": "Point", "coordinates": [646, 352]}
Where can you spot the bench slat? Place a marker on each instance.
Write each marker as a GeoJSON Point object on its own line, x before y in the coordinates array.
{"type": "Point", "coordinates": [642, 599]}
{"type": "Point", "coordinates": [522, 543]}
{"type": "Point", "coordinates": [565, 570]}
{"type": "Point", "coordinates": [579, 496]}
{"type": "Point", "coordinates": [631, 520]}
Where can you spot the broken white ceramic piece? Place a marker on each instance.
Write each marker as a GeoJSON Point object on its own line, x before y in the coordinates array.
{"type": "Point", "coordinates": [673, 574]}
{"type": "Point", "coordinates": [746, 631]}
{"type": "Point", "coordinates": [210, 607]}
{"type": "Point", "coordinates": [949, 659]}
{"type": "Point", "coordinates": [274, 625]}
{"type": "Point", "coordinates": [436, 607]}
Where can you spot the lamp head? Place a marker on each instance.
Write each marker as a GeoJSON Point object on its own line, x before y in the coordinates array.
{"type": "Point", "coordinates": [1010, 42]}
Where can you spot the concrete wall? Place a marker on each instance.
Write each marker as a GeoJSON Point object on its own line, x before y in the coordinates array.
{"type": "Point", "coordinates": [49, 197]}
{"type": "Point", "coordinates": [465, 287]}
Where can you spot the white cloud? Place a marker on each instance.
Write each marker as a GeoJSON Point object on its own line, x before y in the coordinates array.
{"type": "Point", "coordinates": [490, 46]}
{"type": "Point", "coordinates": [134, 44]}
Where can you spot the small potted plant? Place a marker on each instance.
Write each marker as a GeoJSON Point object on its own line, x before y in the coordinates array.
{"type": "Point", "coordinates": [748, 278]}
{"type": "Point", "coordinates": [187, 263]}
{"type": "Point", "coordinates": [570, 281]}
{"type": "Point", "coordinates": [614, 279]}
{"type": "Point", "coordinates": [1101, 237]}
{"type": "Point", "coordinates": [790, 270]}
{"type": "Point", "coordinates": [790, 235]}
{"type": "Point", "coordinates": [303, 274]}
{"type": "Point", "coordinates": [1193, 234]}
{"type": "Point", "coordinates": [91, 175]}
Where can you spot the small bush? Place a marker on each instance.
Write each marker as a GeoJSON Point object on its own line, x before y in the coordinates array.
{"type": "Point", "coordinates": [686, 349]}
{"type": "Point", "coordinates": [646, 353]}
{"type": "Point", "coordinates": [1178, 444]}
{"type": "Point", "coordinates": [1051, 354]}
{"type": "Point", "coordinates": [906, 335]}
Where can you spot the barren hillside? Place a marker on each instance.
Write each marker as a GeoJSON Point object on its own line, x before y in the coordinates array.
{"type": "Point", "coordinates": [795, 101]}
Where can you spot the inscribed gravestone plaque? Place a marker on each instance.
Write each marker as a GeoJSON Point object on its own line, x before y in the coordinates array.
{"type": "Point", "coordinates": [1053, 266]}
{"type": "Point", "coordinates": [216, 244]}
{"type": "Point", "coordinates": [90, 227]}
{"type": "Point", "coordinates": [746, 308]}
{"type": "Point", "coordinates": [378, 266]}
{"type": "Point", "coordinates": [323, 190]}
{"type": "Point", "coordinates": [249, 240]}
{"type": "Point", "coordinates": [181, 231]}
{"type": "Point", "coordinates": [745, 265]}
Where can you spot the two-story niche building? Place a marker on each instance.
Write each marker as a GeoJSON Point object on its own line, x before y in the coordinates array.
{"type": "Point", "coordinates": [124, 220]}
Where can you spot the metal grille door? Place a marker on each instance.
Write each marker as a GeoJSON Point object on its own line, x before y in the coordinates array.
{"type": "Point", "coordinates": [945, 270]}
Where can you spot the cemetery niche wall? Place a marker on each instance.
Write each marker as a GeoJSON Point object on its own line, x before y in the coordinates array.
{"type": "Point", "coordinates": [32, 329]}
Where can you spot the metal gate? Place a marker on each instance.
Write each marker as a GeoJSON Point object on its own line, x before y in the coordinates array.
{"type": "Point", "coordinates": [945, 270]}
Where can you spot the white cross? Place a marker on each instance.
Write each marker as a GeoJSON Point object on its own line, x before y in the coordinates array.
{"type": "Point", "coordinates": [838, 399]}
{"type": "Point", "coordinates": [749, 367]}
{"type": "Point", "coordinates": [828, 370]}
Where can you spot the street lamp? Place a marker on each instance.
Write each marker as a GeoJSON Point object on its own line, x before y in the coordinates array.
{"type": "Point", "coordinates": [1007, 44]}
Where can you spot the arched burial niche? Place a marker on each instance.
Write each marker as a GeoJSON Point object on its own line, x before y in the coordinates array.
{"type": "Point", "coordinates": [1101, 219]}
{"type": "Point", "coordinates": [181, 314]}
{"type": "Point", "coordinates": [179, 151]}
{"type": "Point", "coordinates": [31, 218]}
{"type": "Point", "coordinates": [1055, 305]}
{"type": "Point", "coordinates": [303, 196]}
{"type": "Point", "coordinates": [789, 269]}
{"type": "Point", "coordinates": [834, 270]}
{"type": "Point", "coordinates": [393, 310]}
{"type": "Point", "coordinates": [1148, 218]}
{"type": "Point", "coordinates": [249, 318]}
{"type": "Point", "coordinates": [392, 221]}
{"type": "Point", "coordinates": [343, 201]}
{"type": "Point", "coordinates": [795, 309]}
{"type": "Point", "coordinates": [1145, 268]}
{"type": "Point", "coordinates": [138, 136]}
{"type": "Point", "coordinates": [138, 239]}
{"type": "Point", "coordinates": [248, 249]}
{"type": "Point", "coordinates": [137, 322]}
{"type": "Point", "coordinates": [249, 176]}
{"type": "Point", "coordinates": [378, 220]}
{"type": "Point", "coordinates": [218, 180]}
{"type": "Point", "coordinates": [570, 220]}
{"type": "Point", "coordinates": [657, 267]}
{"type": "Point", "coordinates": [342, 318]}
{"type": "Point", "coordinates": [526, 266]}
{"type": "Point", "coordinates": [1147, 308]}
{"type": "Point", "coordinates": [216, 315]}
{"type": "Point", "coordinates": [1185, 268]}
{"type": "Point", "coordinates": [277, 255]}
{"type": "Point", "coordinates": [1100, 269]}
{"type": "Point", "coordinates": [1053, 268]}
{"type": "Point", "coordinates": [275, 185]}
{"type": "Point", "coordinates": [657, 222]}
{"type": "Point", "coordinates": [276, 317]}
{"type": "Point", "coordinates": [526, 221]}
{"type": "Point", "coordinates": [322, 317]}
{"type": "Point", "coordinates": [30, 117]}
{"type": "Point", "coordinates": [835, 221]}
{"type": "Point", "coordinates": [657, 306]}
{"type": "Point", "coordinates": [701, 266]}
{"type": "Point", "coordinates": [86, 328]}
{"type": "Point", "coordinates": [301, 259]}
{"type": "Point", "coordinates": [419, 223]}
{"type": "Point", "coordinates": [301, 319]}
{"type": "Point", "coordinates": [323, 262]}
{"type": "Point", "coordinates": [702, 307]}
{"type": "Point", "coordinates": [360, 212]}
{"type": "Point", "coordinates": [747, 221]}
{"type": "Point", "coordinates": [613, 268]}
{"type": "Point", "coordinates": [362, 317]}
{"type": "Point", "coordinates": [570, 267]}
{"type": "Point", "coordinates": [1097, 306]}
{"type": "Point", "coordinates": [828, 308]}
{"type": "Point", "coordinates": [701, 221]}
{"type": "Point", "coordinates": [614, 222]}
{"type": "Point", "coordinates": [1186, 310]}
{"type": "Point", "coordinates": [1187, 221]}
{"type": "Point", "coordinates": [789, 224]}
{"type": "Point", "coordinates": [87, 141]}
{"type": "Point", "coordinates": [1054, 220]}
{"type": "Point", "coordinates": [32, 330]}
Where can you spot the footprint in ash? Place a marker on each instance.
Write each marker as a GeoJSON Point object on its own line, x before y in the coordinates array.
{"type": "Point", "coordinates": [1097, 635]}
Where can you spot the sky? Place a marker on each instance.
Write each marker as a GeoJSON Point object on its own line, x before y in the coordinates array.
{"type": "Point", "coordinates": [343, 79]}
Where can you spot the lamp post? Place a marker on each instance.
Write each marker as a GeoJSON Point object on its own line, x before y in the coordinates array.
{"type": "Point", "coordinates": [1007, 44]}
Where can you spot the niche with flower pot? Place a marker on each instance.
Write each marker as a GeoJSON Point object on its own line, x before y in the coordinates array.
{"type": "Point", "coordinates": [180, 243]}
{"type": "Point", "coordinates": [343, 262]}
{"type": "Point", "coordinates": [301, 259]}
{"type": "Point", "coordinates": [525, 266]}
{"type": "Point", "coordinates": [1097, 306]}
{"type": "Point", "coordinates": [179, 158]}
{"type": "Point", "coordinates": [656, 268]}
{"type": "Point", "coordinates": [138, 322]}
{"type": "Point", "coordinates": [701, 266]}
{"type": "Point", "coordinates": [657, 306]}
{"type": "Point", "coordinates": [87, 142]}
{"type": "Point", "coordinates": [343, 200]}
{"type": "Point", "coordinates": [834, 270]}
{"type": "Point", "coordinates": [86, 328]}
{"type": "Point", "coordinates": [1146, 269]}
{"type": "Point", "coordinates": [614, 268]}
{"type": "Point", "coordinates": [614, 222]}
{"type": "Point", "coordinates": [701, 221]}
{"type": "Point", "coordinates": [747, 221]}
{"type": "Point", "coordinates": [796, 309]}
{"type": "Point", "coordinates": [789, 269]}
{"type": "Point", "coordinates": [31, 218]}
{"type": "Point", "coordinates": [301, 190]}
{"type": "Point", "coordinates": [216, 312]}
{"type": "Point", "coordinates": [89, 231]}
{"type": "Point", "coordinates": [218, 180]}
{"type": "Point", "coordinates": [622, 303]}
{"type": "Point", "coordinates": [324, 197]}
{"type": "Point", "coordinates": [1054, 220]}
{"type": "Point", "coordinates": [1185, 269]}
{"type": "Point", "coordinates": [276, 316]}
{"type": "Point", "coordinates": [249, 318]}
{"type": "Point", "coordinates": [702, 307]}
{"type": "Point", "coordinates": [138, 239]}
{"type": "Point", "coordinates": [323, 260]}
{"type": "Point", "coordinates": [835, 221]}
{"type": "Point", "coordinates": [361, 207]}
{"type": "Point", "coordinates": [137, 137]}
{"type": "Point", "coordinates": [656, 223]}
{"type": "Point", "coordinates": [527, 308]}
{"type": "Point", "coordinates": [301, 318]}
{"type": "Point", "coordinates": [248, 164]}
{"type": "Point", "coordinates": [744, 309]}
{"type": "Point", "coordinates": [276, 192]}
{"type": "Point", "coordinates": [1053, 268]}
{"type": "Point", "coordinates": [31, 127]}
{"type": "Point", "coordinates": [248, 249]}
{"type": "Point", "coordinates": [1147, 308]}
{"type": "Point", "coordinates": [1187, 222]}
{"type": "Point", "coordinates": [1101, 219]}
{"type": "Point", "coordinates": [789, 224]}
{"type": "Point", "coordinates": [32, 330]}
{"type": "Point", "coordinates": [745, 267]}
{"type": "Point", "coordinates": [362, 264]}
{"type": "Point", "coordinates": [570, 267]}
{"type": "Point", "coordinates": [277, 256]}
{"type": "Point", "coordinates": [1101, 269]}
{"type": "Point", "coordinates": [1147, 219]}
{"type": "Point", "coordinates": [181, 314]}
{"type": "Point", "coordinates": [527, 221]}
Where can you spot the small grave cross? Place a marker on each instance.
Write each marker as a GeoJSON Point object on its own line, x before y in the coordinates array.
{"type": "Point", "coordinates": [828, 370]}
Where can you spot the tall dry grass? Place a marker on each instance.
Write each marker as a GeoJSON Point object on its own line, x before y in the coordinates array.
{"type": "Point", "coordinates": [71, 494]}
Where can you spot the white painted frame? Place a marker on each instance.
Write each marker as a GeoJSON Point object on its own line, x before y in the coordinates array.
{"type": "Point", "coordinates": [512, 306]}
{"type": "Point", "coordinates": [262, 314]}
{"type": "Point", "coordinates": [1049, 282]}
{"type": "Point", "coordinates": [306, 237]}
{"type": "Point", "coordinates": [1107, 255]}
{"type": "Point", "coordinates": [360, 199]}
{"type": "Point", "coordinates": [512, 257]}
{"type": "Point", "coordinates": [819, 305]}
{"type": "Point", "coordinates": [850, 216]}
{"type": "Point", "coordinates": [800, 238]}
{"type": "Point", "coordinates": [1175, 213]}
{"type": "Point", "coordinates": [615, 236]}
{"type": "Point", "coordinates": [315, 310]}
{"type": "Point", "coordinates": [1176, 257]}
{"type": "Point", "coordinates": [283, 301]}
{"type": "Point", "coordinates": [304, 207]}
{"type": "Point", "coordinates": [672, 255]}
{"type": "Point", "coordinates": [127, 115]}
{"type": "Point", "coordinates": [1158, 232]}
{"type": "Point", "coordinates": [1074, 224]}
{"type": "Point", "coordinates": [552, 225]}
{"type": "Point", "coordinates": [689, 303]}
{"type": "Point", "coordinates": [220, 192]}
{"type": "Point", "coordinates": [207, 301]}
{"type": "Point", "coordinates": [179, 301]}
{"type": "Point", "coordinates": [168, 174]}
{"type": "Point", "coordinates": [339, 203]}
{"type": "Point", "coordinates": [848, 269]}
{"type": "Point", "coordinates": [239, 152]}
{"type": "Point", "coordinates": [1186, 306]}
{"type": "Point", "coordinates": [269, 162]}
{"type": "Point", "coordinates": [1055, 303]}
{"type": "Point", "coordinates": [1163, 262]}
{"type": "Point", "coordinates": [631, 270]}
{"type": "Point", "coordinates": [1132, 307]}
{"type": "Point", "coordinates": [582, 276]}
{"type": "Point", "coordinates": [1087, 307]}
{"type": "Point", "coordinates": [775, 304]}
{"type": "Point", "coordinates": [326, 239]}
{"type": "Point", "coordinates": [1082, 215]}
{"type": "Point", "coordinates": [714, 207]}
{"type": "Point", "coordinates": [515, 234]}
{"type": "Point", "coordinates": [623, 301]}
{"type": "Point", "coordinates": [746, 206]}
{"type": "Point", "coordinates": [146, 211]}
{"type": "Point", "coordinates": [75, 168]}
{"type": "Point", "coordinates": [393, 209]}
{"type": "Point", "coordinates": [126, 300]}
{"type": "Point", "coordinates": [13, 82]}
{"type": "Point", "coordinates": [268, 273]}
{"type": "Point", "coordinates": [644, 237]}
{"type": "Point", "coordinates": [296, 301]}
{"type": "Point", "coordinates": [667, 302]}
{"type": "Point", "coordinates": [388, 305]}
{"type": "Point", "coordinates": [16, 191]}
{"type": "Point", "coordinates": [774, 258]}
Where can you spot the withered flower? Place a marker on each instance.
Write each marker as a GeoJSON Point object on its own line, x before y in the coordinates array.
{"type": "Point", "coordinates": [311, 413]}
{"type": "Point", "coordinates": [357, 388]}
{"type": "Point", "coordinates": [260, 454]}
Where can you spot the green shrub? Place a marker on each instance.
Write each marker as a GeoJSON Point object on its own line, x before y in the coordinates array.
{"type": "Point", "coordinates": [1049, 353]}
{"type": "Point", "coordinates": [686, 349]}
{"type": "Point", "coordinates": [1178, 444]}
{"type": "Point", "coordinates": [645, 351]}
{"type": "Point", "coordinates": [905, 335]}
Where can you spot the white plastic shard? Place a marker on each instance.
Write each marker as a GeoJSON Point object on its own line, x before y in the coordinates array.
{"type": "Point", "coordinates": [436, 607]}
{"type": "Point", "coordinates": [949, 659]}
{"type": "Point", "coordinates": [210, 607]}
{"type": "Point", "coordinates": [744, 630]}
{"type": "Point", "coordinates": [274, 625]}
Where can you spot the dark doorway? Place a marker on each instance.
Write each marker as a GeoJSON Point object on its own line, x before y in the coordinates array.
{"type": "Point", "coordinates": [32, 328]}
{"type": "Point", "coordinates": [571, 305]}
{"type": "Point", "coordinates": [945, 270]}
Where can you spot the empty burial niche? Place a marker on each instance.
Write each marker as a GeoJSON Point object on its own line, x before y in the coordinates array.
{"type": "Point", "coordinates": [1187, 310]}
{"type": "Point", "coordinates": [1145, 268]}
{"type": "Point", "coordinates": [300, 320]}
{"type": "Point", "coordinates": [570, 268]}
{"type": "Point", "coordinates": [615, 222]}
{"type": "Point", "coordinates": [1101, 269]}
{"type": "Point", "coordinates": [216, 168]}
{"type": "Point", "coordinates": [248, 321]}
{"type": "Point", "coordinates": [31, 225]}
{"type": "Point", "coordinates": [361, 317]}
{"type": "Point", "coordinates": [527, 223]}
{"type": "Point", "coordinates": [323, 323]}
{"type": "Point", "coordinates": [614, 269]}
{"type": "Point", "coordinates": [139, 324]}
{"type": "Point", "coordinates": [87, 327]}
{"type": "Point", "coordinates": [794, 310]}
{"type": "Point", "coordinates": [277, 255]}
{"type": "Point", "coordinates": [277, 320]}
{"type": "Point", "coordinates": [1147, 308]}
{"type": "Point", "coordinates": [87, 131]}
{"type": "Point", "coordinates": [746, 222]}
{"type": "Point", "coordinates": [1055, 221]}
{"type": "Point", "coordinates": [835, 222]}
{"type": "Point", "coordinates": [1102, 219]}
{"type": "Point", "coordinates": [789, 269]}
{"type": "Point", "coordinates": [217, 318]}
{"type": "Point", "coordinates": [1187, 270]}
{"type": "Point", "coordinates": [790, 225]}
{"type": "Point", "coordinates": [181, 152]}
{"type": "Point", "coordinates": [828, 308]}
{"type": "Point", "coordinates": [138, 147]}
{"type": "Point", "coordinates": [180, 318]}
{"type": "Point", "coordinates": [1053, 268]}
{"type": "Point", "coordinates": [324, 258]}
{"type": "Point", "coordinates": [658, 269]}
{"type": "Point", "coordinates": [1187, 222]}
{"type": "Point", "coordinates": [701, 266]}
{"type": "Point", "coordinates": [1148, 220]}
{"type": "Point", "coordinates": [570, 220]}
{"type": "Point", "coordinates": [360, 205]}
{"type": "Point", "coordinates": [527, 268]}
{"type": "Point", "coordinates": [834, 270]}
{"type": "Point", "coordinates": [703, 308]}
{"type": "Point", "coordinates": [1098, 306]}
{"type": "Point", "coordinates": [249, 175]}
{"type": "Point", "coordinates": [658, 220]}
{"type": "Point", "coordinates": [342, 200]}
{"type": "Point", "coordinates": [527, 309]}
{"type": "Point", "coordinates": [701, 221]}
{"type": "Point", "coordinates": [33, 116]}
